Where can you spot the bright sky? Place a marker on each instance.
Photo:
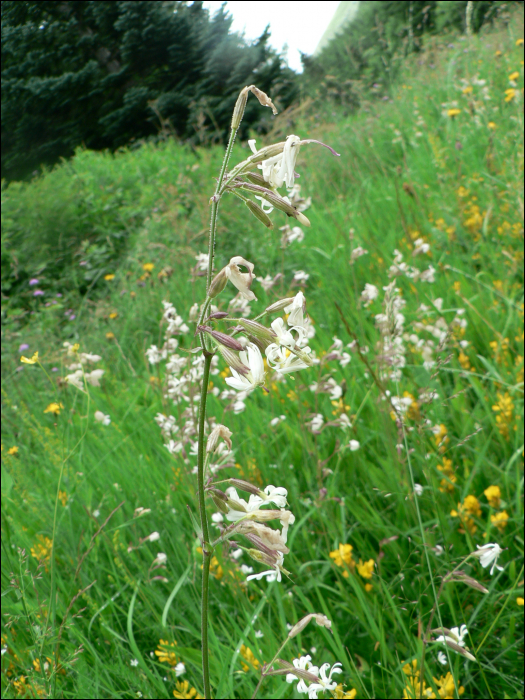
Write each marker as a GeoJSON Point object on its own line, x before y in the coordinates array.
{"type": "Point", "coordinates": [299, 25]}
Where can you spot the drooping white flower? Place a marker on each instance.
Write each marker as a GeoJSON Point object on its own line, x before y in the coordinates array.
{"type": "Point", "coordinates": [76, 379]}
{"type": "Point", "coordinates": [418, 489]}
{"type": "Point", "coordinates": [301, 276]}
{"type": "Point", "coordinates": [296, 310]}
{"type": "Point", "coordinates": [317, 423]}
{"type": "Point", "coordinates": [283, 361]}
{"type": "Point", "coordinates": [369, 293]}
{"type": "Point", "coordinates": [442, 658]}
{"type": "Point", "coordinates": [280, 169]}
{"type": "Point", "coordinates": [94, 377]}
{"type": "Point", "coordinates": [325, 681]}
{"type": "Point", "coordinates": [153, 537]}
{"type": "Point", "coordinates": [284, 337]}
{"type": "Point", "coordinates": [354, 445]}
{"type": "Point", "coordinates": [101, 418]}
{"type": "Point", "coordinates": [420, 247]}
{"type": "Point", "coordinates": [457, 636]}
{"type": "Point", "coordinates": [241, 280]}
{"type": "Point", "coordinates": [276, 495]}
{"type": "Point", "coordinates": [251, 506]}
{"type": "Point", "coordinates": [161, 558]}
{"type": "Point", "coordinates": [488, 554]}
{"type": "Point", "coordinates": [275, 421]}
{"type": "Point", "coordinates": [357, 253]}
{"type": "Point", "coordinates": [252, 358]}
{"type": "Point", "coordinates": [180, 668]}
{"type": "Point", "coordinates": [272, 574]}
{"type": "Point", "coordinates": [304, 663]}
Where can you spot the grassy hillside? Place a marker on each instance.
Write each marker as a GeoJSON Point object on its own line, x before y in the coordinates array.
{"type": "Point", "coordinates": [426, 466]}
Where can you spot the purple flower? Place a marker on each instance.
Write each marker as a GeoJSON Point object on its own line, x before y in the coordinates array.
{"type": "Point", "coordinates": [23, 347]}
{"type": "Point", "coordinates": [72, 317]}
{"type": "Point", "coordinates": [54, 369]}
{"type": "Point", "coordinates": [32, 282]}
{"type": "Point", "coordinates": [83, 262]}
{"type": "Point", "coordinates": [58, 296]}
{"type": "Point", "coordinates": [38, 293]}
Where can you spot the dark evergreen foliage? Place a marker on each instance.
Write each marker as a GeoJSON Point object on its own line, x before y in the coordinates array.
{"type": "Point", "coordinates": [105, 74]}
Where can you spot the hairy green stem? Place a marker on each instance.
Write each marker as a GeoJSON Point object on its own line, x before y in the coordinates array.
{"type": "Point", "coordinates": [206, 550]}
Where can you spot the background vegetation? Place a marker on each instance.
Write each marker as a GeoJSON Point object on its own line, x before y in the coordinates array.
{"type": "Point", "coordinates": [109, 236]}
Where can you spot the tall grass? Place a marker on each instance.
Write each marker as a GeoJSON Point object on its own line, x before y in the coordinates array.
{"type": "Point", "coordinates": [408, 170]}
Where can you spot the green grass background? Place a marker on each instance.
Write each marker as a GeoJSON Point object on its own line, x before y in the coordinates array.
{"type": "Point", "coordinates": [396, 179]}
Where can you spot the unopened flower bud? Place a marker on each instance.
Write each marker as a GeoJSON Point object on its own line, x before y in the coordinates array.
{"type": "Point", "coordinates": [218, 315]}
{"type": "Point", "coordinates": [240, 106]}
{"type": "Point", "coordinates": [259, 213]}
{"type": "Point", "coordinates": [257, 330]}
{"type": "Point", "coordinates": [219, 503]}
{"type": "Point", "coordinates": [220, 431]}
{"type": "Point", "coordinates": [256, 179]}
{"type": "Point", "coordinates": [263, 557]}
{"type": "Point", "coordinates": [274, 149]}
{"type": "Point", "coordinates": [279, 305]}
{"type": "Point", "coordinates": [221, 338]}
{"type": "Point", "coordinates": [218, 283]}
{"type": "Point", "coordinates": [244, 486]}
{"type": "Point", "coordinates": [233, 360]}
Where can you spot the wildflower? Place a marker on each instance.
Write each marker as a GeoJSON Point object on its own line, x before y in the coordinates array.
{"type": "Point", "coordinates": [301, 276]}
{"type": "Point", "coordinates": [113, 315]}
{"type": "Point", "coordinates": [339, 692]}
{"type": "Point", "coordinates": [469, 507]}
{"type": "Point", "coordinates": [134, 662]}
{"type": "Point", "coordinates": [519, 601]}
{"type": "Point", "coordinates": [241, 280]}
{"type": "Point", "coordinates": [418, 489]}
{"type": "Point", "coordinates": [303, 663]}
{"type": "Point", "coordinates": [161, 558]}
{"type": "Point", "coordinates": [504, 408]}
{"type": "Point", "coordinates": [321, 620]}
{"type": "Point", "coordinates": [220, 431]}
{"type": "Point", "coordinates": [42, 550]}
{"type": "Point", "coordinates": [492, 125]}
{"type": "Point", "coordinates": [62, 497]}
{"type": "Point", "coordinates": [38, 293]}
{"type": "Point", "coordinates": [32, 282]}
{"type": "Point", "coordinates": [254, 377]}
{"type": "Point", "coordinates": [369, 293]}
{"type": "Point", "coordinates": [354, 445]}
{"type": "Point", "coordinates": [447, 484]}
{"type": "Point", "coordinates": [276, 495]}
{"type": "Point", "coordinates": [12, 450]}
{"type": "Point", "coordinates": [357, 253]}
{"type": "Point", "coordinates": [110, 336]}
{"type": "Point", "coordinates": [488, 554]}
{"type": "Point", "coordinates": [278, 419]}
{"type": "Point", "coordinates": [342, 556]}
{"type": "Point", "coordinates": [148, 267]}
{"type": "Point", "coordinates": [247, 654]}
{"type": "Point", "coordinates": [467, 90]}
{"type": "Point", "coordinates": [316, 423]}
{"type": "Point", "coordinates": [283, 361]}
{"type": "Point", "coordinates": [500, 520]}
{"type": "Point", "coordinates": [102, 418]}
{"type": "Point", "coordinates": [280, 169]}
{"type": "Point", "coordinates": [164, 653]}
{"type": "Point", "coordinates": [519, 42]}
{"type": "Point", "coordinates": [271, 575]}
{"type": "Point", "coordinates": [54, 408]}
{"type": "Point", "coordinates": [456, 635]}
{"type": "Point", "coordinates": [325, 681]}
{"type": "Point", "coordinates": [514, 75]}
{"type": "Point", "coordinates": [182, 690]}
{"type": "Point", "coordinates": [510, 94]}
{"type": "Point", "coordinates": [23, 347]}
{"type": "Point", "coordinates": [453, 112]}
{"type": "Point", "coordinates": [153, 537]}
{"type": "Point", "coordinates": [110, 276]}
{"type": "Point", "coordinates": [32, 361]}
{"type": "Point", "coordinates": [442, 658]}
{"type": "Point", "coordinates": [493, 495]}
{"type": "Point", "coordinates": [366, 569]}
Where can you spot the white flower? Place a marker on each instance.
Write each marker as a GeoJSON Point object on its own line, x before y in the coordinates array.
{"type": "Point", "coordinates": [296, 311]}
{"type": "Point", "coordinates": [271, 575]}
{"type": "Point", "coordinates": [236, 554]}
{"type": "Point", "coordinates": [284, 337]}
{"type": "Point", "coordinates": [303, 664]}
{"type": "Point", "coordinates": [488, 554]}
{"type": "Point", "coordinates": [180, 668]}
{"type": "Point", "coordinates": [283, 361]}
{"type": "Point", "coordinates": [217, 518]}
{"type": "Point", "coordinates": [104, 419]}
{"type": "Point", "coordinates": [369, 293]}
{"type": "Point", "coordinates": [133, 662]}
{"type": "Point", "coordinates": [291, 234]}
{"type": "Point", "coordinates": [255, 377]}
{"type": "Point", "coordinates": [246, 569]}
{"type": "Point", "coordinates": [418, 489]}
{"type": "Point", "coordinates": [354, 445]}
{"type": "Point", "coordinates": [153, 537]}
{"type": "Point", "coordinates": [420, 247]}
{"type": "Point", "coordinates": [301, 276]}
{"type": "Point", "coordinates": [202, 261]}
{"type": "Point", "coordinates": [161, 558]}
{"type": "Point", "coordinates": [173, 447]}
{"type": "Point", "coordinates": [254, 504]}
{"type": "Point", "coordinates": [94, 377]}
{"type": "Point", "coordinates": [317, 422]}
{"type": "Point", "coordinates": [276, 495]}
{"type": "Point", "coordinates": [357, 253]}
{"type": "Point", "coordinates": [442, 658]}
{"type": "Point", "coordinates": [325, 681]}
{"type": "Point", "coordinates": [275, 421]}
{"type": "Point", "coordinates": [258, 634]}
{"type": "Point", "coordinates": [280, 169]}
{"type": "Point", "coordinates": [241, 280]}
{"type": "Point", "coordinates": [76, 378]}
{"type": "Point", "coordinates": [155, 355]}
{"type": "Point", "coordinates": [457, 636]}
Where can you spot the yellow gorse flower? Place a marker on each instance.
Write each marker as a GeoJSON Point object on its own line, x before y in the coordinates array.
{"type": "Point", "coordinates": [500, 520]}
{"type": "Point", "coordinates": [493, 495]}
{"type": "Point", "coordinates": [54, 408]}
{"type": "Point", "coordinates": [165, 654]}
{"type": "Point", "coordinates": [366, 569]}
{"type": "Point", "coordinates": [182, 690]}
{"type": "Point", "coordinates": [343, 556]}
{"type": "Point", "coordinates": [28, 361]}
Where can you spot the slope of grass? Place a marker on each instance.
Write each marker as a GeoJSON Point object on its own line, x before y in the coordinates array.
{"type": "Point", "coordinates": [84, 608]}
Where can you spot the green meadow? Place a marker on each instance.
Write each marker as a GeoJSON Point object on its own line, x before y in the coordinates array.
{"type": "Point", "coordinates": [425, 466]}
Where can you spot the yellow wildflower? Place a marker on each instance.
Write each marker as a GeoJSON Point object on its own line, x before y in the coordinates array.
{"type": "Point", "coordinates": [519, 42]}
{"type": "Point", "coordinates": [182, 690]}
{"type": "Point", "coordinates": [500, 520]}
{"type": "Point", "coordinates": [340, 693]}
{"type": "Point", "coordinates": [447, 484]}
{"type": "Point", "coordinates": [165, 654]}
{"type": "Point", "coordinates": [462, 192]}
{"type": "Point", "coordinates": [12, 450]}
{"type": "Point", "coordinates": [467, 90]}
{"type": "Point", "coordinates": [62, 497]}
{"type": "Point", "coordinates": [464, 361]}
{"type": "Point", "coordinates": [133, 294]}
{"type": "Point", "coordinates": [216, 569]}
{"type": "Point", "coordinates": [498, 53]}
{"type": "Point", "coordinates": [493, 495]}
{"type": "Point", "coordinates": [110, 335]}
{"type": "Point", "coordinates": [453, 112]}
{"type": "Point", "coordinates": [148, 267]}
{"type": "Point", "coordinates": [368, 587]}
{"type": "Point", "coordinates": [247, 654]}
{"type": "Point", "coordinates": [510, 94]}
{"type": "Point", "coordinates": [469, 507]}
{"type": "Point", "coordinates": [113, 315]}
{"type": "Point", "coordinates": [21, 687]}
{"type": "Point", "coordinates": [366, 569]}
{"type": "Point", "coordinates": [492, 125]}
{"type": "Point", "coordinates": [27, 361]}
{"type": "Point", "coordinates": [445, 685]}
{"type": "Point", "coordinates": [519, 601]}
{"type": "Point", "coordinates": [514, 75]}
{"type": "Point", "coordinates": [343, 556]}
{"type": "Point", "coordinates": [413, 409]}
{"type": "Point", "coordinates": [54, 408]}
{"type": "Point", "coordinates": [109, 277]}
{"type": "Point", "coordinates": [42, 550]}
{"type": "Point", "coordinates": [504, 408]}
{"type": "Point", "coordinates": [441, 437]}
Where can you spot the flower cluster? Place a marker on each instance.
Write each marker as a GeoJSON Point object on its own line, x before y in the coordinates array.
{"type": "Point", "coordinates": [321, 683]}
{"type": "Point", "coordinates": [78, 363]}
